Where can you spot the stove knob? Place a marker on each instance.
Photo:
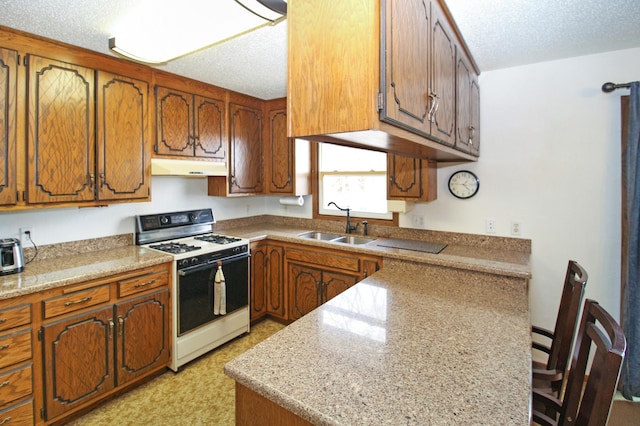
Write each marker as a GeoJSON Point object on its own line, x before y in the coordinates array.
{"type": "Point", "coordinates": [194, 260]}
{"type": "Point", "coordinates": [164, 220]}
{"type": "Point", "coordinates": [184, 263]}
{"type": "Point", "coordinates": [194, 218]}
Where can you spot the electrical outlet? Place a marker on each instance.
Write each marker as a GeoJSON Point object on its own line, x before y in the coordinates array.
{"type": "Point", "coordinates": [24, 239]}
{"type": "Point", "coordinates": [516, 228]}
{"type": "Point", "coordinates": [417, 221]}
{"type": "Point", "coordinates": [490, 225]}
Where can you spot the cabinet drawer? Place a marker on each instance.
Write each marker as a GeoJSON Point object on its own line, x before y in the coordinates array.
{"type": "Point", "coordinates": [346, 261]}
{"type": "Point", "coordinates": [18, 415]}
{"type": "Point", "coordinates": [142, 283]}
{"type": "Point", "coordinates": [15, 348]}
{"type": "Point", "coordinates": [15, 384]}
{"type": "Point", "coordinates": [75, 301]}
{"type": "Point", "coordinates": [15, 316]}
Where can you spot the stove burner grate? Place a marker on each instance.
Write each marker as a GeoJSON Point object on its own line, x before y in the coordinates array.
{"type": "Point", "coordinates": [218, 239]}
{"type": "Point", "coordinates": [174, 248]}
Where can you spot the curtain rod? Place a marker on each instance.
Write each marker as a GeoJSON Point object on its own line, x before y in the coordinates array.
{"type": "Point", "coordinates": [610, 87]}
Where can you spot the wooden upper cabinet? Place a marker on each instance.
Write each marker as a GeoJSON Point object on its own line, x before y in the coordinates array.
{"type": "Point", "coordinates": [8, 159]}
{"type": "Point", "coordinates": [61, 138]}
{"type": "Point", "coordinates": [382, 78]}
{"type": "Point", "coordinates": [245, 149]}
{"type": "Point", "coordinates": [122, 138]}
{"type": "Point", "coordinates": [419, 69]}
{"type": "Point", "coordinates": [407, 72]}
{"type": "Point", "coordinates": [411, 179]}
{"type": "Point", "coordinates": [287, 160]}
{"type": "Point", "coordinates": [468, 107]}
{"type": "Point", "coordinates": [189, 125]}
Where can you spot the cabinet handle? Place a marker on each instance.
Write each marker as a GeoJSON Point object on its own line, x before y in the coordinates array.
{"type": "Point", "coordinates": [5, 420]}
{"type": "Point", "coordinates": [5, 383]}
{"type": "Point", "coordinates": [102, 180]}
{"type": "Point", "coordinates": [144, 284]}
{"type": "Point", "coordinates": [434, 107]}
{"type": "Point", "coordinates": [75, 302]}
{"type": "Point", "coordinates": [472, 134]}
{"type": "Point", "coordinates": [91, 179]}
{"type": "Point", "coordinates": [3, 320]}
{"type": "Point", "coordinates": [111, 325]}
{"type": "Point", "coordinates": [120, 326]}
{"type": "Point", "coordinates": [3, 347]}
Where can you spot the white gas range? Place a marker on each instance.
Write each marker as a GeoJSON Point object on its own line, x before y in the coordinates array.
{"type": "Point", "coordinates": [199, 325]}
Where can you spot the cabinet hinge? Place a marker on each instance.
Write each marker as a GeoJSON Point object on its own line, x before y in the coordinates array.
{"type": "Point", "coordinates": [42, 413]}
{"type": "Point", "coordinates": [40, 335]}
{"type": "Point", "coordinates": [380, 101]}
{"type": "Point", "coordinates": [155, 148]}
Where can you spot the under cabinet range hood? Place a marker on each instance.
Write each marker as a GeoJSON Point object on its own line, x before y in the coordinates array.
{"type": "Point", "coordinates": [188, 168]}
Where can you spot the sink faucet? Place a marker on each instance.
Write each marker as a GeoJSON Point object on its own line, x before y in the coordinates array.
{"type": "Point", "coordinates": [349, 227]}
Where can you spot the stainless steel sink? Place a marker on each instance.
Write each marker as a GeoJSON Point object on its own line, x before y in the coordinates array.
{"type": "Point", "coordinates": [336, 238]}
{"type": "Point", "coordinates": [323, 236]}
{"type": "Point", "coordinates": [354, 239]}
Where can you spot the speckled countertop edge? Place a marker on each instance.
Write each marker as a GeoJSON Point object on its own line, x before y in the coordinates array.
{"type": "Point", "coordinates": [440, 335]}
{"type": "Point", "coordinates": [76, 268]}
{"type": "Point", "coordinates": [499, 262]}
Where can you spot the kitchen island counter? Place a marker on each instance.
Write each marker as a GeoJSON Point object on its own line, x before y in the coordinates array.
{"type": "Point", "coordinates": [412, 344]}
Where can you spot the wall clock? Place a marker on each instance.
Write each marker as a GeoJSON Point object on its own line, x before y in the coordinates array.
{"type": "Point", "coordinates": [464, 184]}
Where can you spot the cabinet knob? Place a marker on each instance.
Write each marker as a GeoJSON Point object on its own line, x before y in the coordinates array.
{"type": "Point", "coordinates": [472, 134]}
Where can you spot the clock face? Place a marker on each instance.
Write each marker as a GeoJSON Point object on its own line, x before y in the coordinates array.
{"type": "Point", "coordinates": [464, 184]}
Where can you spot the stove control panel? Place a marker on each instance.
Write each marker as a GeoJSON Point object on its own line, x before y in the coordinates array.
{"type": "Point", "coordinates": [167, 220]}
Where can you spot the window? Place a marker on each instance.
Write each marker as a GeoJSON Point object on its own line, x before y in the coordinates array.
{"type": "Point", "coordinates": [352, 178]}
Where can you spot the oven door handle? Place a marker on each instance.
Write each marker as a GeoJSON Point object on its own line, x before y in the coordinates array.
{"type": "Point", "coordinates": [191, 269]}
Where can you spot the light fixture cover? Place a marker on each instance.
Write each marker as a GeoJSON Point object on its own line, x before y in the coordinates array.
{"type": "Point", "coordinates": [158, 31]}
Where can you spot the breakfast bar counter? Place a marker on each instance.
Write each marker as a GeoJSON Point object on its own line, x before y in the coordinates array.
{"type": "Point", "coordinates": [412, 344]}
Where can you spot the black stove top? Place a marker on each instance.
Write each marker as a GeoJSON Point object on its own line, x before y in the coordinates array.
{"type": "Point", "coordinates": [174, 247]}
{"type": "Point", "coordinates": [218, 239]}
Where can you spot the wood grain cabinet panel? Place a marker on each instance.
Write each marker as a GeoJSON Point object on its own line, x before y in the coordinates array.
{"type": "Point", "coordinates": [20, 414]}
{"type": "Point", "coordinates": [287, 160]}
{"type": "Point", "coordinates": [16, 384]}
{"type": "Point", "coordinates": [8, 159]}
{"type": "Point", "coordinates": [268, 294]}
{"type": "Point", "coordinates": [15, 316]}
{"type": "Point", "coordinates": [143, 340]}
{"type": "Point", "coordinates": [245, 168]}
{"type": "Point", "coordinates": [61, 136]}
{"type": "Point", "coordinates": [79, 358]}
{"type": "Point", "coordinates": [123, 165]}
{"type": "Point", "coordinates": [411, 179]}
{"type": "Point", "coordinates": [467, 107]}
{"type": "Point", "coordinates": [189, 125]}
{"type": "Point", "coordinates": [15, 348]}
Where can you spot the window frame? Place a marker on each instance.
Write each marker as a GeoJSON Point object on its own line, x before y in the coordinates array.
{"type": "Point", "coordinates": [315, 185]}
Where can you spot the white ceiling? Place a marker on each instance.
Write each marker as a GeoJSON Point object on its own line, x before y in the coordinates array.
{"type": "Point", "coordinates": [499, 33]}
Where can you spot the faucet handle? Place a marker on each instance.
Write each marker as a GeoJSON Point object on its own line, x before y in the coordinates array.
{"type": "Point", "coordinates": [365, 227]}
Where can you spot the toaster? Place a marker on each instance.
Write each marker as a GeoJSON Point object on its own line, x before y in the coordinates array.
{"type": "Point", "coordinates": [11, 260]}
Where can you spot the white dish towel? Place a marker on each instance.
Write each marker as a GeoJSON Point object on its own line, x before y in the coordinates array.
{"type": "Point", "coordinates": [219, 293]}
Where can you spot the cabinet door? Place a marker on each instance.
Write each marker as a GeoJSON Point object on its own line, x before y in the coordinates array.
{"type": "Point", "coordinates": [174, 127]}
{"type": "Point", "coordinates": [443, 60]}
{"type": "Point", "coordinates": [78, 354]}
{"type": "Point", "coordinates": [143, 338]}
{"type": "Point", "coordinates": [305, 285]}
{"type": "Point", "coordinates": [404, 177]}
{"type": "Point", "coordinates": [245, 150]}
{"type": "Point", "coordinates": [276, 301]}
{"type": "Point", "coordinates": [335, 283]}
{"type": "Point", "coordinates": [468, 107]}
{"type": "Point", "coordinates": [210, 130]}
{"type": "Point", "coordinates": [406, 67]}
{"type": "Point", "coordinates": [123, 160]}
{"type": "Point", "coordinates": [61, 132]}
{"type": "Point", "coordinates": [8, 89]}
{"type": "Point", "coordinates": [259, 273]}
{"type": "Point", "coordinates": [281, 155]}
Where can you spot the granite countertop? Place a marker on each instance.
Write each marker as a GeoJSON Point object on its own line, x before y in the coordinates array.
{"type": "Point", "coordinates": [412, 345]}
{"type": "Point", "coordinates": [455, 255]}
{"type": "Point", "coordinates": [76, 268]}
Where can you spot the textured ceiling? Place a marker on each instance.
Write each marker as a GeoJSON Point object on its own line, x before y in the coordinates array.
{"type": "Point", "coordinates": [499, 33]}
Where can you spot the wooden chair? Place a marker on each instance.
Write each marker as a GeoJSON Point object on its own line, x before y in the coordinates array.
{"type": "Point", "coordinates": [587, 402]}
{"type": "Point", "coordinates": [551, 374]}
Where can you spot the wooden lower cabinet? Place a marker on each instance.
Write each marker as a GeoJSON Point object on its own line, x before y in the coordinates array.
{"type": "Point", "coordinates": [310, 287]}
{"type": "Point", "coordinates": [267, 284]}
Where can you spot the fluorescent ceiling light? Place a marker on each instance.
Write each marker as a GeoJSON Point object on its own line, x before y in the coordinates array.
{"type": "Point", "coordinates": [158, 31]}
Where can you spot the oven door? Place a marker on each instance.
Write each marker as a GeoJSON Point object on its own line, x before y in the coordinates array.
{"type": "Point", "coordinates": [195, 291]}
